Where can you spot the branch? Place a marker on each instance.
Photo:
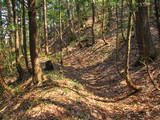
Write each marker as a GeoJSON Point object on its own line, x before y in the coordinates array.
{"type": "Point", "coordinates": [151, 77]}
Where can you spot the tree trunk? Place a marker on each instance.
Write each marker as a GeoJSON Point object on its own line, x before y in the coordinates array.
{"type": "Point", "coordinates": [10, 21]}
{"type": "Point", "coordinates": [24, 37]}
{"type": "Point", "coordinates": [60, 32]}
{"type": "Point", "coordinates": [17, 43]}
{"type": "Point", "coordinates": [1, 23]}
{"type": "Point", "coordinates": [37, 72]}
{"type": "Point", "coordinates": [147, 50]}
{"type": "Point", "coordinates": [93, 20]}
{"type": "Point", "coordinates": [79, 14]}
{"type": "Point", "coordinates": [45, 27]}
{"type": "Point", "coordinates": [129, 37]}
{"type": "Point", "coordinates": [103, 20]}
{"type": "Point", "coordinates": [157, 14]}
{"type": "Point", "coordinates": [70, 20]}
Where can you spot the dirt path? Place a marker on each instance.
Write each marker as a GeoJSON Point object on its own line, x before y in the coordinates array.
{"type": "Point", "coordinates": [88, 88]}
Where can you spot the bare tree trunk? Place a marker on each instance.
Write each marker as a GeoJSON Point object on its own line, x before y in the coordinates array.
{"type": "Point", "coordinates": [109, 13]}
{"type": "Point", "coordinates": [122, 29]}
{"type": "Point", "coordinates": [93, 20]}
{"type": "Point", "coordinates": [1, 23]}
{"type": "Point", "coordinates": [24, 37]}
{"type": "Point", "coordinates": [70, 20]}
{"type": "Point", "coordinates": [10, 21]}
{"type": "Point", "coordinates": [147, 50]}
{"type": "Point", "coordinates": [45, 27]}
{"type": "Point", "coordinates": [60, 32]}
{"type": "Point", "coordinates": [17, 43]}
{"type": "Point", "coordinates": [157, 14]}
{"type": "Point", "coordinates": [37, 72]}
{"type": "Point", "coordinates": [40, 29]}
{"type": "Point", "coordinates": [79, 14]}
{"type": "Point", "coordinates": [129, 37]}
{"type": "Point", "coordinates": [103, 21]}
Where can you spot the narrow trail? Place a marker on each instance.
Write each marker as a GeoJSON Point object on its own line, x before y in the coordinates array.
{"type": "Point", "coordinates": [88, 87]}
{"type": "Point", "coordinates": [97, 73]}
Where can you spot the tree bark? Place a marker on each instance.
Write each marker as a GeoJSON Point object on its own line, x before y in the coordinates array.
{"type": "Point", "coordinates": [103, 21]}
{"type": "Point", "coordinates": [17, 43]}
{"type": "Point", "coordinates": [93, 20]}
{"type": "Point", "coordinates": [147, 50]}
{"type": "Point", "coordinates": [157, 14]}
{"type": "Point", "coordinates": [24, 37]}
{"type": "Point", "coordinates": [1, 23]}
{"type": "Point", "coordinates": [45, 27]}
{"type": "Point", "coordinates": [10, 21]}
{"type": "Point", "coordinates": [129, 37]}
{"type": "Point", "coordinates": [60, 32]}
{"type": "Point", "coordinates": [37, 72]}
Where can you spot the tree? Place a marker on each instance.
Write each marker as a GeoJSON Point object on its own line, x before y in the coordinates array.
{"type": "Point", "coordinates": [103, 20]}
{"type": "Point", "coordinates": [60, 33]}
{"type": "Point", "coordinates": [24, 36]}
{"type": "Point", "coordinates": [10, 22]}
{"type": "Point", "coordinates": [36, 69]}
{"type": "Point", "coordinates": [1, 21]}
{"type": "Point", "coordinates": [45, 27]}
{"type": "Point", "coordinates": [129, 37]}
{"type": "Point", "coordinates": [157, 14]}
{"type": "Point", "coordinates": [93, 20]}
{"type": "Point", "coordinates": [17, 43]}
{"type": "Point", "coordinates": [147, 50]}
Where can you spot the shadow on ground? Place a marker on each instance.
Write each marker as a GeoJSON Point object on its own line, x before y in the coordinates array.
{"type": "Point", "coordinates": [101, 78]}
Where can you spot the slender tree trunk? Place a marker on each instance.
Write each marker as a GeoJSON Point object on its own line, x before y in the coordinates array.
{"type": "Point", "coordinates": [1, 22]}
{"type": "Point", "coordinates": [129, 37]}
{"type": "Point", "coordinates": [103, 20]}
{"type": "Point", "coordinates": [122, 14]}
{"type": "Point", "coordinates": [10, 21]}
{"type": "Point", "coordinates": [24, 37]}
{"type": "Point", "coordinates": [147, 50]}
{"type": "Point", "coordinates": [93, 21]}
{"type": "Point", "coordinates": [157, 14]}
{"type": "Point", "coordinates": [70, 20]}
{"type": "Point", "coordinates": [17, 42]}
{"type": "Point", "coordinates": [79, 14]}
{"type": "Point", "coordinates": [37, 72]}
{"type": "Point", "coordinates": [40, 29]}
{"type": "Point", "coordinates": [109, 13]}
{"type": "Point", "coordinates": [45, 27]}
{"type": "Point", "coordinates": [60, 32]}
{"type": "Point", "coordinates": [20, 27]}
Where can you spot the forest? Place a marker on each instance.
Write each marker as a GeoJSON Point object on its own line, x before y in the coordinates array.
{"type": "Point", "coordinates": [79, 60]}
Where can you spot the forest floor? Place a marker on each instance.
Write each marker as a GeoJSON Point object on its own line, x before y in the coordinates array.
{"type": "Point", "coordinates": [88, 87]}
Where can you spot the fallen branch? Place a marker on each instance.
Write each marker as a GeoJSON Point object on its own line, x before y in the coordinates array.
{"type": "Point", "coordinates": [151, 77]}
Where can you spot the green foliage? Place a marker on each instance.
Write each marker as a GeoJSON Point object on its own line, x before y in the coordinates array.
{"type": "Point", "coordinates": [66, 90]}
{"type": "Point", "coordinates": [38, 3]}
